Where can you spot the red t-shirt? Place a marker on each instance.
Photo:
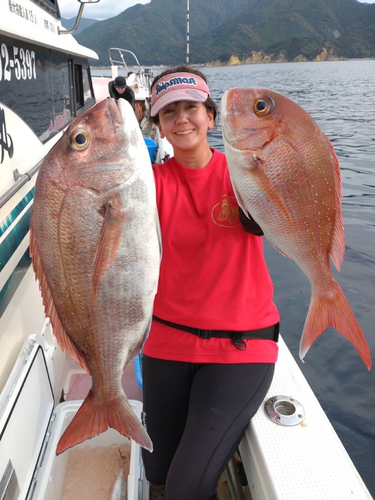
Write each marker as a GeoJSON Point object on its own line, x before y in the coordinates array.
{"type": "Point", "coordinates": [213, 274]}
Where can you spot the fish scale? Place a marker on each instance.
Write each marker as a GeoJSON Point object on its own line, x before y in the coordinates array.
{"type": "Point", "coordinates": [286, 174]}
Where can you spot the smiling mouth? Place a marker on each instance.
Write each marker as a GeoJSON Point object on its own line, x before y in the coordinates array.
{"type": "Point", "coordinates": [185, 132]}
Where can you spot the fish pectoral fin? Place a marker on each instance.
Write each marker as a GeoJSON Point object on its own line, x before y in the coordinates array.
{"type": "Point", "coordinates": [49, 307]}
{"type": "Point", "coordinates": [109, 239]}
{"type": "Point", "coordinates": [259, 176]}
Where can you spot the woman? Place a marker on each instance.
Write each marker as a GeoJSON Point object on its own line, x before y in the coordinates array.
{"type": "Point", "coordinates": [209, 358]}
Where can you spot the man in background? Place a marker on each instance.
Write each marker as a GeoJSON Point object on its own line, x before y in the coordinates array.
{"type": "Point", "coordinates": [119, 90]}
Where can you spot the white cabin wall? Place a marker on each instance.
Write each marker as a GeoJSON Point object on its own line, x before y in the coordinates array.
{"type": "Point", "coordinates": [24, 316]}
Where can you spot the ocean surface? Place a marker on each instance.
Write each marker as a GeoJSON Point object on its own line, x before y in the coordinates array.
{"type": "Point", "coordinates": [340, 97]}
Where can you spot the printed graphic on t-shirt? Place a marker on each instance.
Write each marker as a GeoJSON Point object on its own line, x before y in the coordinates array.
{"type": "Point", "coordinates": [225, 213]}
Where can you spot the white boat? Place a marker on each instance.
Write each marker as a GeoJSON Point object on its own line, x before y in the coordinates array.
{"type": "Point", "coordinates": [45, 81]}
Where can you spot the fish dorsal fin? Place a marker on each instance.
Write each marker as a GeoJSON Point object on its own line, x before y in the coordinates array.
{"type": "Point", "coordinates": [109, 240]}
{"type": "Point", "coordinates": [337, 248]}
{"type": "Point", "coordinates": [49, 307]}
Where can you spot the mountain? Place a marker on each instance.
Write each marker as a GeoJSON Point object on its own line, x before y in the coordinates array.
{"type": "Point", "coordinates": [84, 23]}
{"type": "Point", "coordinates": [238, 31]}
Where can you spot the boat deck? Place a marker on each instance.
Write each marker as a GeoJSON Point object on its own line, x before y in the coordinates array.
{"type": "Point", "coordinates": [78, 386]}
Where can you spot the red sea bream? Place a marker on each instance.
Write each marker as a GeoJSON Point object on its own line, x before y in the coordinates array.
{"type": "Point", "coordinates": [286, 175]}
{"type": "Point", "coordinates": [95, 246]}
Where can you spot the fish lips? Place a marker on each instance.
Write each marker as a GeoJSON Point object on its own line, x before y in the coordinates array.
{"type": "Point", "coordinates": [229, 116]}
{"type": "Point", "coordinates": [121, 112]}
{"type": "Point", "coordinates": [127, 114]}
{"type": "Point", "coordinates": [232, 112]}
{"type": "Point", "coordinates": [241, 124]}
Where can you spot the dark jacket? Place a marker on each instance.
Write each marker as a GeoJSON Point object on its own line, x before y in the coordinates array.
{"type": "Point", "coordinates": [128, 94]}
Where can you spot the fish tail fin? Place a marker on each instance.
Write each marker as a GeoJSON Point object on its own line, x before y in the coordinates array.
{"type": "Point", "coordinates": [95, 417]}
{"type": "Point", "coordinates": [333, 311]}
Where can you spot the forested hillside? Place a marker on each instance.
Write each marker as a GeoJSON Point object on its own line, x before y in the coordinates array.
{"type": "Point", "coordinates": [233, 31]}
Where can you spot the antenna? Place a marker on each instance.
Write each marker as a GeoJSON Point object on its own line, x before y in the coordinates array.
{"type": "Point", "coordinates": [187, 32]}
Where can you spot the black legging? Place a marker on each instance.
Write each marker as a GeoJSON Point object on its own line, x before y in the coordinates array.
{"type": "Point", "coordinates": [196, 415]}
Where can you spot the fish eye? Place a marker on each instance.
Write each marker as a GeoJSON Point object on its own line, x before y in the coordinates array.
{"type": "Point", "coordinates": [262, 107]}
{"type": "Point", "coordinates": [80, 140]}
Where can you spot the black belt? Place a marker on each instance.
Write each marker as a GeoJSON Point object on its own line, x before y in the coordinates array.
{"type": "Point", "coordinates": [269, 333]}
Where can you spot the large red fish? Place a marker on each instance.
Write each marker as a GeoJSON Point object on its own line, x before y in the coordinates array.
{"type": "Point", "coordinates": [286, 174]}
{"type": "Point", "coordinates": [94, 242]}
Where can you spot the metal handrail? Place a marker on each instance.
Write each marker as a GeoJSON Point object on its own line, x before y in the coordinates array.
{"type": "Point", "coordinates": [119, 60]}
{"type": "Point", "coordinates": [75, 27]}
{"type": "Point", "coordinates": [78, 19]}
{"type": "Point", "coordinates": [122, 61]}
{"type": "Point", "coordinates": [20, 182]}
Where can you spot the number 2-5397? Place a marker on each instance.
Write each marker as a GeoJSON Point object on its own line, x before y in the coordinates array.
{"type": "Point", "coordinates": [22, 63]}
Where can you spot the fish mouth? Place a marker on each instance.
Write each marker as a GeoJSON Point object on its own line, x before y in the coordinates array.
{"type": "Point", "coordinates": [122, 114]}
{"type": "Point", "coordinates": [229, 111]}
{"type": "Point", "coordinates": [230, 135]}
{"type": "Point", "coordinates": [127, 114]}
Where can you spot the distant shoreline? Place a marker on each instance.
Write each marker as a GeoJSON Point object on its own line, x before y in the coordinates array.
{"type": "Point", "coordinates": [213, 65]}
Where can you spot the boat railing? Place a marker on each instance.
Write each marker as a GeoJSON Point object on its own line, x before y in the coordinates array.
{"type": "Point", "coordinates": [20, 180]}
{"type": "Point", "coordinates": [117, 59]}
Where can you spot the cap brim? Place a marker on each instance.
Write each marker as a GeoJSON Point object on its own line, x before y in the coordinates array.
{"type": "Point", "coordinates": [175, 95]}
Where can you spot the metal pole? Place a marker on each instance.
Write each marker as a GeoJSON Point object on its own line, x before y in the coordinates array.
{"type": "Point", "coordinates": [234, 482]}
{"type": "Point", "coordinates": [187, 32]}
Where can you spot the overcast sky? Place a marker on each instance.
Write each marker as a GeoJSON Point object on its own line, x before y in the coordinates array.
{"type": "Point", "coordinates": [107, 8]}
{"type": "Point", "coordinates": [102, 10]}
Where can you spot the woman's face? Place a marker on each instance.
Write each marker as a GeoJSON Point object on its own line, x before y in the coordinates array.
{"type": "Point", "coordinates": [185, 124]}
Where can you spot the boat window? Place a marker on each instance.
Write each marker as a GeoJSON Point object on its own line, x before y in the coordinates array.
{"type": "Point", "coordinates": [35, 83]}
{"type": "Point", "coordinates": [49, 6]}
{"type": "Point", "coordinates": [83, 91]}
{"type": "Point", "coordinates": [78, 85]}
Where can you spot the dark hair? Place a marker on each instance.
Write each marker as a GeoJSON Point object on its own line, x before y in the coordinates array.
{"type": "Point", "coordinates": [120, 82]}
{"type": "Point", "coordinates": [209, 103]}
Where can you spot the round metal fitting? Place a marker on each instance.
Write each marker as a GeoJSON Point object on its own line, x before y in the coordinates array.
{"type": "Point", "coordinates": [283, 410]}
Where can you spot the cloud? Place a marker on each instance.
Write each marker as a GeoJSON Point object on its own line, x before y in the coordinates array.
{"type": "Point", "coordinates": [102, 10]}
{"type": "Point", "coordinates": [108, 8]}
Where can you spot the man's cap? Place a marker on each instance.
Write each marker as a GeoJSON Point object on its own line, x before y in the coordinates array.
{"type": "Point", "coordinates": [120, 82]}
{"type": "Point", "coordinates": [178, 87]}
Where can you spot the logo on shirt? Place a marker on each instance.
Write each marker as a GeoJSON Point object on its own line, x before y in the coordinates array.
{"type": "Point", "coordinates": [225, 213]}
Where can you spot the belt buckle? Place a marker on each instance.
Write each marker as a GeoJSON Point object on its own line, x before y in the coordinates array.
{"type": "Point", "coordinates": [204, 334]}
{"type": "Point", "coordinates": [238, 341]}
